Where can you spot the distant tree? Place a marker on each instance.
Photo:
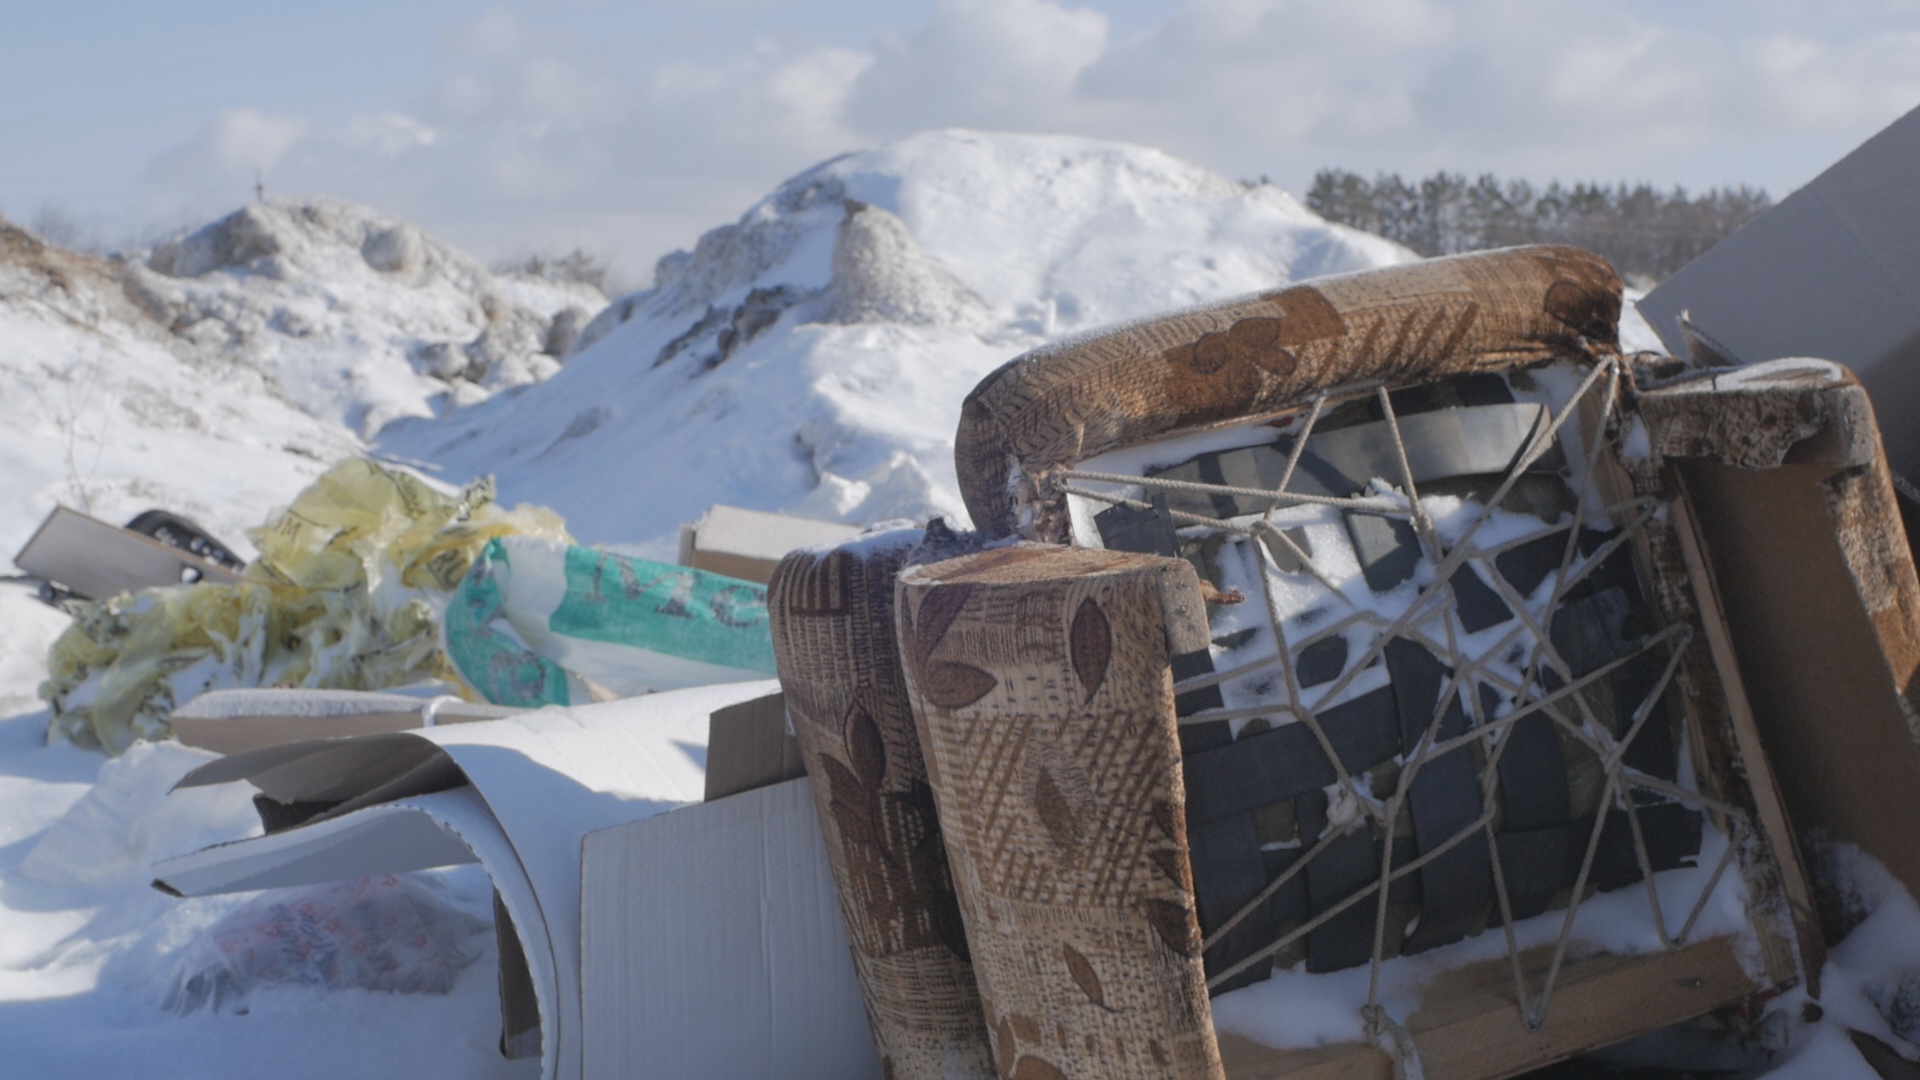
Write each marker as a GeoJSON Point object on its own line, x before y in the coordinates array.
{"type": "Point", "coordinates": [1645, 232]}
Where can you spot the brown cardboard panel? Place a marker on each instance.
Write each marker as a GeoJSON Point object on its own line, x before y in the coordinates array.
{"type": "Point", "coordinates": [1837, 727]}
{"type": "Point", "coordinates": [748, 747]}
{"type": "Point", "coordinates": [744, 567]}
{"type": "Point", "coordinates": [748, 544]}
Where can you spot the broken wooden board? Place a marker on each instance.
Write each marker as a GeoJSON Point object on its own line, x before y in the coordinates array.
{"type": "Point", "coordinates": [1469, 1026]}
{"type": "Point", "coordinates": [1798, 521]}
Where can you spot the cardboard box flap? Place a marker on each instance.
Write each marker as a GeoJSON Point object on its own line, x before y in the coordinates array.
{"type": "Point", "coordinates": [749, 746]}
{"type": "Point", "coordinates": [735, 965]}
{"type": "Point", "coordinates": [389, 839]}
{"type": "Point", "coordinates": [318, 770]}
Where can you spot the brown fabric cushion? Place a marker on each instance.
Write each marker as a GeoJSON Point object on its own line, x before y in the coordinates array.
{"type": "Point", "coordinates": [832, 621]}
{"type": "Point", "coordinates": [1271, 351]}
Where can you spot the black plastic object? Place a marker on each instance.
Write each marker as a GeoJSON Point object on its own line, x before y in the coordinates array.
{"type": "Point", "coordinates": [177, 532]}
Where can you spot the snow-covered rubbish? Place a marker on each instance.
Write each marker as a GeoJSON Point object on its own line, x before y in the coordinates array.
{"type": "Point", "coordinates": [699, 942]}
{"type": "Point", "coordinates": [1579, 724]}
{"type": "Point", "coordinates": [346, 594]}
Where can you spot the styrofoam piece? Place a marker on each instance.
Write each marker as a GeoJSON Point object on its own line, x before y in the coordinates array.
{"type": "Point", "coordinates": [716, 947]}
{"type": "Point", "coordinates": [542, 779]}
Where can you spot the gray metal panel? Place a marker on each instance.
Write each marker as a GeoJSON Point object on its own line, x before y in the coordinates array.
{"type": "Point", "coordinates": [1833, 272]}
{"type": "Point", "coordinates": [96, 560]}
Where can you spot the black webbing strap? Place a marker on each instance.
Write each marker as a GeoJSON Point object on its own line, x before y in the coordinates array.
{"type": "Point", "coordinates": [1651, 752]}
{"type": "Point", "coordinates": [1476, 602]}
{"type": "Point", "coordinates": [1539, 863]}
{"type": "Point", "coordinates": [1343, 868]}
{"type": "Point", "coordinates": [1533, 775]}
{"type": "Point", "coordinates": [1151, 532]}
{"type": "Point", "coordinates": [1387, 547]}
{"type": "Point", "coordinates": [1591, 631]}
{"type": "Point", "coordinates": [1321, 662]}
{"type": "Point", "coordinates": [1457, 887]}
{"type": "Point", "coordinates": [1287, 761]}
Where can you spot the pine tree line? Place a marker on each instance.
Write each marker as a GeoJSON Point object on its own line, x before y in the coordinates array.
{"type": "Point", "coordinates": [1645, 232]}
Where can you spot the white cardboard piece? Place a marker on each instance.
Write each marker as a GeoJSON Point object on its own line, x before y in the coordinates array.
{"type": "Point", "coordinates": [95, 560]}
{"type": "Point", "coordinates": [717, 949]}
{"type": "Point", "coordinates": [747, 544]}
{"type": "Point", "coordinates": [232, 721]}
{"type": "Point", "coordinates": [1832, 271]}
{"type": "Point", "coordinates": [537, 784]}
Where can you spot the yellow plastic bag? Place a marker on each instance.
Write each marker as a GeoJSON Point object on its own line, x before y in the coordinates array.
{"type": "Point", "coordinates": [346, 594]}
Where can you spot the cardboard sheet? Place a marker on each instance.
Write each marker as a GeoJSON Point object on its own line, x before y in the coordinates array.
{"type": "Point", "coordinates": [731, 965]}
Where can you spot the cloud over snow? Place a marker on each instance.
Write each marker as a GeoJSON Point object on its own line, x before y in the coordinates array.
{"type": "Point", "coordinates": [539, 137]}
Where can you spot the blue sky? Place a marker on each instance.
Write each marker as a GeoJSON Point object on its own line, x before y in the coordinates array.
{"type": "Point", "coordinates": [630, 126]}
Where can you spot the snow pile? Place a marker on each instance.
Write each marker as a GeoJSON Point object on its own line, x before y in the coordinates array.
{"type": "Point", "coordinates": [97, 967]}
{"type": "Point", "coordinates": [812, 357]}
{"type": "Point", "coordinates": [359, 317]}
{"type": "Point", "coordinates": [105, 413]}
{"type": "Point", "coordinates": [218, 373]}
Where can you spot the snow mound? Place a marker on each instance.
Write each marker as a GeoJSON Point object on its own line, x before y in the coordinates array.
{"type": "Point", "coordinates": [359, 317]}
{"type": "Point", "coordinates": [107, 415]}
{"type": "Point", "coordinates": [812, 356]}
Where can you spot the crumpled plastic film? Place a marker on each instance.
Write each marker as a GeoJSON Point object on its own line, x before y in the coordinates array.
{"type": "Point", "coordinates": [398, 934]}
{"type": "Point", "coordinates": [346, 594]}
{"type": "Point", "coordinates": [533, 612]}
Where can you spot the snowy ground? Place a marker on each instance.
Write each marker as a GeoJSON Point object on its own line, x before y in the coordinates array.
{"type": "Point", "coordinates": [811, 357]}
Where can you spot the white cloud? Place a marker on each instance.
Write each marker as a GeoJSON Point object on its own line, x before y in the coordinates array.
{"type": "Point", "coordinates": [541, 139]}
{"type": "Point", "coordinates": [979, 63]}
